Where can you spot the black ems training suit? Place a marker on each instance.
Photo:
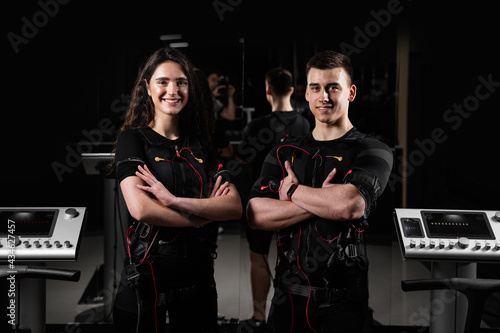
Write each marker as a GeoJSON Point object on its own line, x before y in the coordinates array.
{"type": "Point", "coordinates": [321, 277]}
{"type": "Point", "coordinates": [172, 268]}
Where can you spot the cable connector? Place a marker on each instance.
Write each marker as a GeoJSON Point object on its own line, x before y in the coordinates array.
{"type": "Point", "coordinates": [132, 275]}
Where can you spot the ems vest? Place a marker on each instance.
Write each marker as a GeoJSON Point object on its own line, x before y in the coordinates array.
{"type": "Point", "coordinates": [323, 249]}
{"type": "Point", "coordinates": [184, 171]}
{"type": "Point", "coordinates": [181, 168]}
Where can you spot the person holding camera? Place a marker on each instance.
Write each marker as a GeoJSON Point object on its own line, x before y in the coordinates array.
{"type": "Point", "coordinates": [224, 113]}
{"type": "Point", "coordinates": [221, 88]}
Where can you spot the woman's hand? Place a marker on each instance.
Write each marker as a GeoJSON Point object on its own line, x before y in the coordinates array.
{"type": "Point", "coordinates": [156, 188]}
{"type": "Point", "coordinates": [328, 181]}
{"type": "Point", "coordinates": [219, 189]}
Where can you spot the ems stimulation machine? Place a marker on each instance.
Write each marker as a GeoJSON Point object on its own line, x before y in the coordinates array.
{"type": "Point", "coordinates": [30, 237]}
{"type": "Point", "coordinates": [454, 241]}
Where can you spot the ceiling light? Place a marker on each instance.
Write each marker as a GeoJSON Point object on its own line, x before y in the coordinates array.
{"type": "Point", "coordinates": [170, 37]}
{"type": "Point", "coordinates": [179, 44]}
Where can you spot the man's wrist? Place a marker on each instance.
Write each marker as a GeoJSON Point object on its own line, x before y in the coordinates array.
{"type": "Point", "coordinates": [291, 190]}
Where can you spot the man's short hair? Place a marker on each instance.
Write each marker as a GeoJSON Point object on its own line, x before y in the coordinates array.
{"type": "Point", "coordinates": [280, 80]}
{"type": "Point", "coordinates": [328, 60]}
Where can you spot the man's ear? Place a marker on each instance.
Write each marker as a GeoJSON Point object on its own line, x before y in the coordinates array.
{"type": "Point", "coordinates": [352, 93]}
{"type": "Point", "coordinates": [268, 90]}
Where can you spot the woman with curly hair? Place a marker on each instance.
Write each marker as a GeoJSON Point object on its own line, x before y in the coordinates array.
{"type": "Point", "coordinates": [174, 186]}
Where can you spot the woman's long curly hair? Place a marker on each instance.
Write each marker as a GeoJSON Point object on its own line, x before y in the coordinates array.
{"type": "Point", "coordinates": [193, 119]}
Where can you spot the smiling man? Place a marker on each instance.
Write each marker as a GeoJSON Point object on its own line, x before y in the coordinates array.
{"type": "Point", "coordinates": [317, 192]}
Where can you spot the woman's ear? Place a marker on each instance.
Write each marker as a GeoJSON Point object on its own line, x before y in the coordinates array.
{"type": "Point", "coordinates": [147, 87]}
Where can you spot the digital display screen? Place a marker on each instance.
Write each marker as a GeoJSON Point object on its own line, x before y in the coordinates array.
{"type": "Point", "coordinates": [27, 223]}
{"type": "Point", "coordinates": [457, 224]}
{"type": "Point", "coordinates": [411, 227]}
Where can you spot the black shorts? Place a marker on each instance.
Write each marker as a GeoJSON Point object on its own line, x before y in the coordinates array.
{"type": "Point", "coordinates": [259, 241]}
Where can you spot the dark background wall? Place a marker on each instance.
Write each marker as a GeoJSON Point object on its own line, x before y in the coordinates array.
{"type": "Point", "coordinates": [69, 67]}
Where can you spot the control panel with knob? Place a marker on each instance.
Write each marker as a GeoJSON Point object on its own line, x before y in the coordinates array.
{"type": "Point", "coordinates": [455, 235]}
{"type": "Point", "coordinates": [41, 233]}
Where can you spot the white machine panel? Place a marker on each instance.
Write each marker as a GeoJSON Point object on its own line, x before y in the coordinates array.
{"type": "Point", "coordinates": [40, 233]}
{"type": "Point", "coordinates": [448, 235]}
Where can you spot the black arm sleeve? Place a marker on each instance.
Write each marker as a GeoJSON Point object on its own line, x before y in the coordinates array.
{"type": "Point", "coordinates": [371, 170]}
{"type": "Point", "coordinates": [129, 154]}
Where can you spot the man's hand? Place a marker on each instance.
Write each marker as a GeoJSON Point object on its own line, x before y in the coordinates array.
{"type": "Point", "coordinates": [290, 179]}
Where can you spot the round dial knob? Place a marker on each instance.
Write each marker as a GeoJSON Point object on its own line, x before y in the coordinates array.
{"type": "Point", "coordinates": [71, 213]}
{"type": "Point", "coordinates": [463, 242]}
{"type": "Point", "coordinates": [497, 216]}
